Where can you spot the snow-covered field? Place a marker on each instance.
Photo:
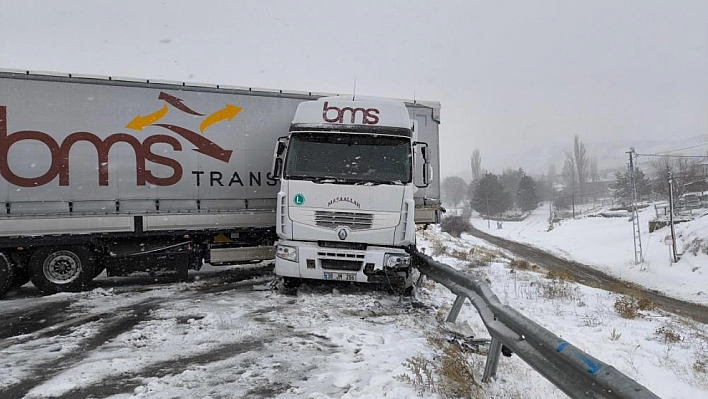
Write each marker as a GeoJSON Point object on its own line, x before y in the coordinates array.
{"type": "Point", "coordinates": [607, 244]}
{"type": "Point", "coordinates": [223, 339]}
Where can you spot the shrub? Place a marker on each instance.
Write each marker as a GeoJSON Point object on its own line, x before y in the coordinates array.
{"type": "Point", "coordinates": [627, 307]}
{"type": "Point", "coordinates": [422, 374]}
{"type": "Point", "coordinates": [438, 248]}
{"type": "Point", "coordinates": [559, 286]}
{"type": "Point", "coordinates": [521, 264]}
{"type": "Point", "coordinates": [455, 225]}
{"type": "Point", "coordinates": [614, 335]}
{"type": "Point", "coordinates": [645, 304]}
{"type": "Point", "coordinates": [668, 335]}
{"type": "Point", "coordinates": [452, 375]}
{"type": "Point", "coordinates": [562, 275]}
{"type": "Point", "coordinates": [462, 255]}
{"type": "Point", "coordinates": [457, 374]}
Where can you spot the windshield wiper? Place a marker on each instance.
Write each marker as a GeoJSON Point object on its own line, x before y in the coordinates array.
{"type": "Point", "coordinates": [328, 180]}
{"type": "Point", "coordinates": [378, 182]}
{"type": "Point", "coordinates": [337, 180]}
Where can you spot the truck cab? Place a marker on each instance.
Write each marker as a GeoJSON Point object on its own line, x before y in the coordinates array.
{"type": "Point", "coordinates": [346, 209]}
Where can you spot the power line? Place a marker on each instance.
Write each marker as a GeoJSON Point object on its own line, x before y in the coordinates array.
{"type": "Point", "coordinates": [673, 156]}
{"type": "Point", "coordinates": [685, 148]}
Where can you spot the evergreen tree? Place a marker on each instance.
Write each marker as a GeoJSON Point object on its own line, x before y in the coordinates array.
{"type": "Point", "coordinates": [510, 180]}
{"type": "Point", "coordinates": [490, 198]}
{"type": "Point", "coordinates": [527, 199]}
{"type": "Point", "coordinates": [623, 187]}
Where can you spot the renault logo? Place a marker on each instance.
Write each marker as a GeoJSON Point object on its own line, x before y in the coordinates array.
{"type": "Point", "coordinates": [342, 234]}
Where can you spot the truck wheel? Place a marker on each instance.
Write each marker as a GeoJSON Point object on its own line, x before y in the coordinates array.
{"type": "Point", "coordinates": [5, 275]}
{"type": "Point", "coordinates": [62, 269]}
{"type": "Point", "coordinates": [290, 285]}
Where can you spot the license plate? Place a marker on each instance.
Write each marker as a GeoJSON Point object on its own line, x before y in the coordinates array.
{"type": "Point", "coordinates": [340, 276]}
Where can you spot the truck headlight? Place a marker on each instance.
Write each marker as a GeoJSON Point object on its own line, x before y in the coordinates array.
{"type": "Point", "coordinates": [286, 252]}
{"type": "Point", "coordinates": [397, 260]}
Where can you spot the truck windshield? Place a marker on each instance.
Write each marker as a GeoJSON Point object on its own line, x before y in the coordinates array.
{"type": "Point", "coordinates": [349, 158]}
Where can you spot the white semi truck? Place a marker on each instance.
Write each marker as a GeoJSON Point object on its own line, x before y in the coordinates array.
{"type": "Point", "coordinates": [346, 208]}
{"type": "Point", "coordinates": [126, 175]}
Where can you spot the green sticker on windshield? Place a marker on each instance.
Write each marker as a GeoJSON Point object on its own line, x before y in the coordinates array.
{"type": "Point", "coordinates": [299, 199]}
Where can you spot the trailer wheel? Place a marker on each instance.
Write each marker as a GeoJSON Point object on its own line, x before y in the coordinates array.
{"type": "Point", "coordinates": [5, 274]}
{"type": "Point", "coordinates": [62, 269]}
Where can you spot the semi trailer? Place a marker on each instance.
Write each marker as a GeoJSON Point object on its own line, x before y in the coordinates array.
{"type": "Point", "coordinates": [144, 176]}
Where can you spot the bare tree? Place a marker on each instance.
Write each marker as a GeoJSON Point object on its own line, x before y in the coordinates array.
{"type": "Point", "coordinates": [454, 190]}
{"type": "Point", "coordinates": [594, 174]}
{"type": "Point", "coordinates": [476, 163]}
{"type": "Point", "coordinates": [683, 171]}
{"type": "Point", "coordinates": [570, 177]}
{"type": "Point", "coordinates": [581, 163]}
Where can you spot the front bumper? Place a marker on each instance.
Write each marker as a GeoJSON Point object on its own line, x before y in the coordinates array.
{"type": "Point", "coordinates": [325, 263]}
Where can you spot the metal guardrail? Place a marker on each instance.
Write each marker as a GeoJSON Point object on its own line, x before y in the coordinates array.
{"type": "Point", "coordinates": [573, 371]}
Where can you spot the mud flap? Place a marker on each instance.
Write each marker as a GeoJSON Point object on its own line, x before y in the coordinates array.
{"type": "Point", "coordinates": [5, 274]}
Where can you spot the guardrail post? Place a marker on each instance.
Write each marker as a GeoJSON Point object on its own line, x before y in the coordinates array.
{"type": "Point", "coordinates": [490, 369]}
{"type": "Point", "coordinates": [456, 307]}
{"type": "Point", "coordinates": [420, 280]}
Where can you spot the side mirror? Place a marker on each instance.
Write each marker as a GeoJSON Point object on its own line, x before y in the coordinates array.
{"type": "Point", "coordinates": [277, 168]}
{"type": "Point", "coordinates": [426, 167]}
{"type": "Point", "coordinates": [280, 147]}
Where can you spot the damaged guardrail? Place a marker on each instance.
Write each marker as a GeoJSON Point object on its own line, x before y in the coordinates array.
{"type": "Point", "coordinates": [575, 372]}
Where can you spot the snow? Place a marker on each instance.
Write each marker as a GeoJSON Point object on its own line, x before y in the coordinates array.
{"type": "Point", "coordinates": [586, 318]}
{"type": "Point", "coordinates": [606, 243]}
{"type": "Point", "coordinates": [214, 339]}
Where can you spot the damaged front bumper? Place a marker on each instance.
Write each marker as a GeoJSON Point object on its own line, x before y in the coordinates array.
{"type": "Point", "coordinates": [335, 261]}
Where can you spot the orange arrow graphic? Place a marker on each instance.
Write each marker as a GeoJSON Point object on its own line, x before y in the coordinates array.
{"type": "Point", "coordinates": [228, 112]}
{"type": "Point", "coordinates": [139, 122]}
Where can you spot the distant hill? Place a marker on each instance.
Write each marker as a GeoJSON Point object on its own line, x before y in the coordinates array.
{"type": "Point", "coordinates": [611, 155]}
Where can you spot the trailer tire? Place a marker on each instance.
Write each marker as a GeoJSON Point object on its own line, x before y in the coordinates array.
{"type": "Point", "coordinates": [5, 274]}
{"type": "Point", "coordinates": [62, 269]}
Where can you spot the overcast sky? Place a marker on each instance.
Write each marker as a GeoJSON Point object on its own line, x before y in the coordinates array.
{"type": "Point", "coordinates": [508, 74]}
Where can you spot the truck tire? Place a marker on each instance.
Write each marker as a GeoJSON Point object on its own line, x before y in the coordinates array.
{"type": "Point", "coordinates": [5, 274]}
{"type": "Point", "coordinates": [290, 285]}
{"type": "Point", "coordinates": [62, 269]}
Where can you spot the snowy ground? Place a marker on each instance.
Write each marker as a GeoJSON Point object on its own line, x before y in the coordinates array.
{"type": "Point", "coordinates": [217, 337]}
{"type": "Point", "coordinates": [607, 244]}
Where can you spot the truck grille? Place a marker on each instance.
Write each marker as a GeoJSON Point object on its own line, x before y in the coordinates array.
{"type": "Point", "coordinates": [353, 220]}
{"type": "Point", "coordinates": [336, 264]}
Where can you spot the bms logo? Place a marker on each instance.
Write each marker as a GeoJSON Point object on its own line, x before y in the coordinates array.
{"type": "Point", "coordinates": [60, 152]}
{"type": "Point", "coordinates": [333, 114]}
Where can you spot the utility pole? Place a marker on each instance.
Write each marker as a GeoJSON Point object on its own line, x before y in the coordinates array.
{"type": "Point", "coordinates": [636, 230]}
{"type": "Point", "coordinates": [573, 204]}
{"type": "Point", "coordinates": [486, 197]}
{"type": "Point", "coordinates": [671, 217]}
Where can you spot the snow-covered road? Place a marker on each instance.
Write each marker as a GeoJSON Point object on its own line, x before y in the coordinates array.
{"type": "Point", "coordinates": [209, 339]}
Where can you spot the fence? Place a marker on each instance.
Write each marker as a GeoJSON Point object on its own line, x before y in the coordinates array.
{"type": "Point", "coordinates": [573, 371]}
